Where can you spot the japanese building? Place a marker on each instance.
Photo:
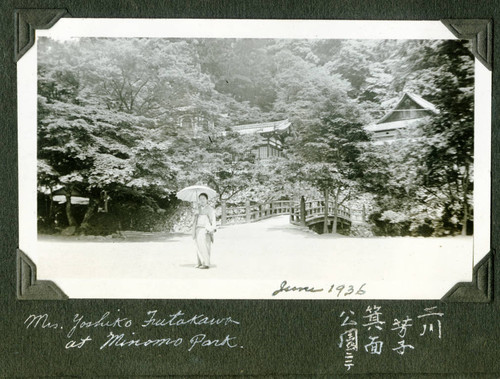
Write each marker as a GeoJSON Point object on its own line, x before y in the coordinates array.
{"type": "Point", "coordinates": [410, 110]}
{"type": "Point", "coordinates": [272, 135]}
{"type": "Point", "coordinates": [190, 120]}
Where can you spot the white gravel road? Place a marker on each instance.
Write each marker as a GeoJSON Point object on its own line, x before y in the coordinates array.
{"type": "Point", "coordinates": [250, 261]}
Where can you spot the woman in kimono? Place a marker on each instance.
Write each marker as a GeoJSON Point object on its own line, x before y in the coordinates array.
{"type": "Point", "coordinates": [203, 229]}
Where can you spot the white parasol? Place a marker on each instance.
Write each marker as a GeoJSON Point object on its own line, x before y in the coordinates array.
{"type": "Point", "coordinates": [191, 193]}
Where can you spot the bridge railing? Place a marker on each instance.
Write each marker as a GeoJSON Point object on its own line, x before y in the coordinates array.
{"type": "Point", "coordinates": [255, 212]}
{"type": "Point", "coordinates": [315, 208]}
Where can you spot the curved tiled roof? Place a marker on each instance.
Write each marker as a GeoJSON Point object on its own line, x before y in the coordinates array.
{"type": "Point", "coordinates": [263, 127]}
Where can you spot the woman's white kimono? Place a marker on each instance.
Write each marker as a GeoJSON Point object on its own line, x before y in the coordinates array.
{"type": "Point", "coordinates": [204, 225]}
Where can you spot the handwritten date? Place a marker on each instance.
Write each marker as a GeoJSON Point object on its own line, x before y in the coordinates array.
{"type": "Point", "coordinates": [338, 290]}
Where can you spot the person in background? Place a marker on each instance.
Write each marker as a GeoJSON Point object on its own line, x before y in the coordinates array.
{"type": "Point", "coordinates": [203, 231]}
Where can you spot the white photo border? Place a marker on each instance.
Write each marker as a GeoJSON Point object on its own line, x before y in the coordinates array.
{"type": "Point", "coordinates": [67, 28]}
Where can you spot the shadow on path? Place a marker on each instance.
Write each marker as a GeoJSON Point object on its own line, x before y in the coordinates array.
{"type": "Point", "coordinates": [192, 265]}
{"type": "Point", "coordinates": [129, 236]}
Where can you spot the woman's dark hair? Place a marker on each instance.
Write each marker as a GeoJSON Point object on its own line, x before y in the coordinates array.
{"type": "Point", "coordinates": [203, 194]}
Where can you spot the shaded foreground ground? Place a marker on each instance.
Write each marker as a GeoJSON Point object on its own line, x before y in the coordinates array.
{"type": "Point", "coordinates": [252, 260]}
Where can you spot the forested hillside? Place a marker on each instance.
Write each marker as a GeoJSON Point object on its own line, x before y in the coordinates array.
{"type": "Point", "coordinates": [128, 122]}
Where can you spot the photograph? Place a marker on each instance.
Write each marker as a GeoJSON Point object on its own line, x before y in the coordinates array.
{"type": "Point", "coordinates": [254, 165]}
{"type": "Point", "coordinates": [253, 189]}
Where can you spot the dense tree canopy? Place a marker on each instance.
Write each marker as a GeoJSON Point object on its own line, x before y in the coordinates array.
{"type": "Point", "coordinates": [424, 181]}
{"type": "Point", "coordinates": [134, 120]}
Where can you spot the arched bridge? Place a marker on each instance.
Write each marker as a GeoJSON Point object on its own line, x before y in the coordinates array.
{"type": "Point", "coordinates": [306, 213]}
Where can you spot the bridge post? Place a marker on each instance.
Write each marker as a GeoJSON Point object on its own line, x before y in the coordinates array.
{"type": "Point", "coordinates": [247, 210]}
{"type": "Point", "coordinates": [302, 211]}
{"type": "Point", "coordinates": [223, 218]}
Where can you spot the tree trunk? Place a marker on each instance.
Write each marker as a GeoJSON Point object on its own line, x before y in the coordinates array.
{"type": "Point", "coordinates": [69, 213]}
{"type": "Point", "coordinates": [89, 213]}
{"type": "Point", "coordinates": [465, 187]}
{"type": "Point", "coordinates": [51, 207]}
{"type": "Point", "coordinates": [465, 219]}
{"type": "Point", "coordinates": [335, 211]}
{"type": "Point", "coordinates": [302, 211]}
{"type": "Point", "coordinates": [247, 211]}
{"type": "Point", "coordinates": [325, 220]}
{"type": "Point", "coordinates": [223, 215]}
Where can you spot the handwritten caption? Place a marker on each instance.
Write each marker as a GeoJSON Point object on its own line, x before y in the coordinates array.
{"type": "Point", "coordinates": [337, 290]}
{"type": "Point", "coordinates": [371, 332]}
{"type": "Point", "coordinates": [125, 332]}
{"type": "Point", "coordinates": [376, 335]}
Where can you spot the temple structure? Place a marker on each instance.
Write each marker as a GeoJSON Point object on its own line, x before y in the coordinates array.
{"type": "Point", "coordinates": [272, 135]}
{"type": "Point", "coordinates": [409, 110]}
{"type": "Point", "coordinates": [191, 121]}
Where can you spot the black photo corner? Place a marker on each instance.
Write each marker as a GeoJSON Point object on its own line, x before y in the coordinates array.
{"type": "Point", "coordinates": [46, 332]}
